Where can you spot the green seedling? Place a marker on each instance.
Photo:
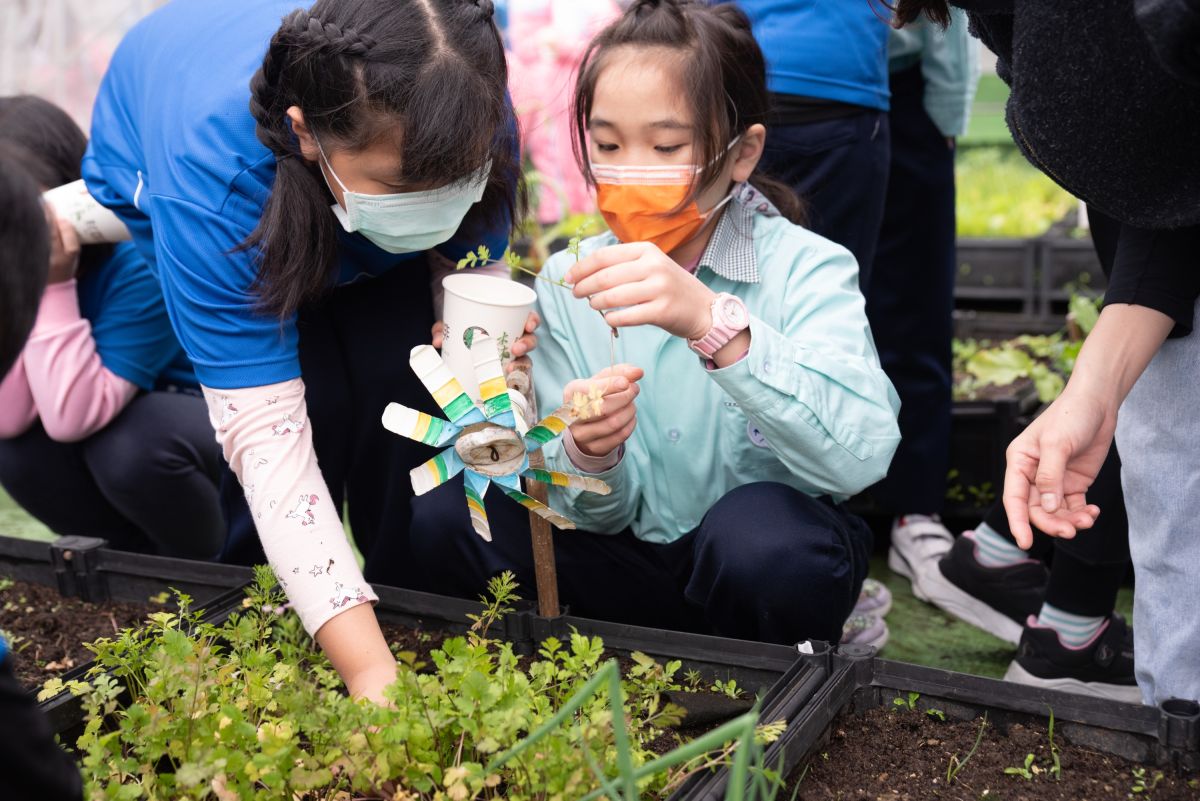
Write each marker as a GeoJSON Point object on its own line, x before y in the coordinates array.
{"type": "Point", "coordinates": [5, 583]}
{"type": "Point", "coordinates": [728, 688]}
{"type": "Point", "coordinates": [1143, 785]}
{"type": "Point", "coordinates": [956, 765]}
{"type": "Point", "coordinates": [1056, 764]}
{"type": "Point", "coordinates": [1027, 772]}
{"type": "Point", "coordinates": [936, 713]}
{"type": "Point", "coordinates": [909, 703]}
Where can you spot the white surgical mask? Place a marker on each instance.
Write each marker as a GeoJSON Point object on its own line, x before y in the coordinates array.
{"type": "Point", "coordinates": [407, 222]}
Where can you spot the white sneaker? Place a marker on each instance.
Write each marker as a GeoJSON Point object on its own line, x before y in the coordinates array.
{"type": "Point", "coordinates": [918, 542]}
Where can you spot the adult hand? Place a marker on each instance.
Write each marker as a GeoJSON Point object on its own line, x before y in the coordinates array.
{"type": "Point", "coordinates": [1052, 464]}
{"type": "Point", "coordinates": [611, 413]}
{"type": "Point", "coordinates": [64, 249]}
{"type": "Point", "coordinates": [519, 349]}
{"type": "Point", "coordinates": [645, 287]}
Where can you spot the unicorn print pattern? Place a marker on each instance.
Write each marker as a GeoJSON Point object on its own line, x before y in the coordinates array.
{"type": "Point", "coordinates": [303, 510]}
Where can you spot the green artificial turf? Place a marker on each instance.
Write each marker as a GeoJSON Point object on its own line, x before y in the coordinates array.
{"type": "Point", "coordinates": [925, 635]}
{"type": "Point", "coordinates": [14, 522]}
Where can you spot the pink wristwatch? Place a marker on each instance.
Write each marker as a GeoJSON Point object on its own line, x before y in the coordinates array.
{"type": "Point", "coordinates": [729, 318]}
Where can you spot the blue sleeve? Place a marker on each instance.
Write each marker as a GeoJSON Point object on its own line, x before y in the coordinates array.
{"type": "Point", "coordinates": [124, 303]}
{"type": "Point", "coordinates": [206, 284]}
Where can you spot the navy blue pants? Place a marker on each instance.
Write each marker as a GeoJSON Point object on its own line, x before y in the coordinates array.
{"type": "Point", "coordinates": [354, 347]}
{"type": "Point", "coordinates": [910, 300]}
{"type": "Point", "coordinates": [145, 482]}
{"type": "Point", "coordinates": [839, 167]}
{"type": "Point", "coordinates": [767, 563]}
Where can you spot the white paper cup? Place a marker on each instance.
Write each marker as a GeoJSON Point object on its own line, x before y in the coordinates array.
{"type": "Point", "coordinates": [496, 306]}
{"type": "Point", "coordinates": [94, 223]}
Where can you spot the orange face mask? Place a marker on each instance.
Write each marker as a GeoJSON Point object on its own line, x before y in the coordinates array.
{"type": "Point", "coordinates": [636, 201]}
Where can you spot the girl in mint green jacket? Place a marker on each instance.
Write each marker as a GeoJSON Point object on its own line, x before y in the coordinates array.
{"type": "Point", "coordinates": [747, 399]}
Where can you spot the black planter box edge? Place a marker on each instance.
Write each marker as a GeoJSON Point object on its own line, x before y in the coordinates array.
{"type": "Point", "coordinates": [1166, 736]}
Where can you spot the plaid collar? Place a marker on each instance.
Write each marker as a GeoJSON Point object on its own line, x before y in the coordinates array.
{"type": "Point", "coordinates": [730, 252]}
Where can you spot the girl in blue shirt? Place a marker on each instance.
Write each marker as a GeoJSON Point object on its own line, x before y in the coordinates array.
{"type": "Point", "coordinates": [90, 441]}
{"type": "Point", "coordinates": [268, 159]}
{"type": "Point", "coordinates": [747, 400]}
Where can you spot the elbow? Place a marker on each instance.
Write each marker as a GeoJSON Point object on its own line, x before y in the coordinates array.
{"type": "Point", "coordinates": [864, 470]}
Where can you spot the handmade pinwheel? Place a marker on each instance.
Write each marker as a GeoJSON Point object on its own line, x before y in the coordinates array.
{"type": "Point", "coordinates": [486, 446]}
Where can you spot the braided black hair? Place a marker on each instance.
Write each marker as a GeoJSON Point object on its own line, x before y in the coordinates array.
{"type": "Point", "coordinates": [429, 75]}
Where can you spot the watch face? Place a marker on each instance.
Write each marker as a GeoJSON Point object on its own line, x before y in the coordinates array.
{"type": "Point", "coordinates": [734, 313]}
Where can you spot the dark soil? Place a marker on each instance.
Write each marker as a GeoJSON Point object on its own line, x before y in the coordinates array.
{"type": "Point", "coordinates": [901, 755]}
{"type": "Point", "coordinates": [46, 632]}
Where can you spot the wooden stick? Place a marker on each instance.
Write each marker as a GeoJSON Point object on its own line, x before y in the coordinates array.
{"type": "Point", "coordinates": [543, 545]}
{"type": "Point", "coordinates": [542, 536]}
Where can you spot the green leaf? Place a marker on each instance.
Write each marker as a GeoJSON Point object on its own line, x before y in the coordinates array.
{"type": "Point", "coordinates": [1086, 312]}
{"type": "Point", "coordinates": [1000, 366]}
{"type": "Point", "coordinates": [1049, 383]}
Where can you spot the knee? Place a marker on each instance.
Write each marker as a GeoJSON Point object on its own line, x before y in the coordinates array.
{"type": "Point", "coordinates": [20, 458]}
{"type": "Point", "coordinates": [788, 555]}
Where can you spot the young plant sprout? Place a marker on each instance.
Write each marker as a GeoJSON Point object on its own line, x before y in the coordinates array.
{"type": "Point", "coordinates": [584, 406]}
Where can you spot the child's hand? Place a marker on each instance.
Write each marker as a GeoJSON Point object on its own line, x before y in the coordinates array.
{"type": "Point", "coordinates": [64, 249]}
{"type": "Point", "coordinates": [607, 399]}
{"type": "Point", "coordinates": [646, 287]}
{"type": "Point", "coordinates": [521, 348]}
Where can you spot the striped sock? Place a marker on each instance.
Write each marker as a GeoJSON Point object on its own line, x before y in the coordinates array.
{"type": "Point", "coordinates": [1074, 631]}
{"type": "Point", "coordinates": [994, 550]}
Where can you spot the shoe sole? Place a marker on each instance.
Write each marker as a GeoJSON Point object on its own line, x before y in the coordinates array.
{"type": "Point", "coordinates": [939, 591]}
{"type": "Point", "coordinates": [1111, 692]}
{"type": "Point", "coordinates": [876, 643]}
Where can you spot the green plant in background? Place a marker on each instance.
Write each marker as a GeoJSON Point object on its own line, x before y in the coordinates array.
{"type": "Point", "coordinates": [936, 713]}
{"type": "Point", "coordinates": [1046, 360]}
{"type": "Point", "coordinates": [908, 702]}
{"type": "Point", "coordinates": [999, 194]}
{"type": "Point", "coordinates": [252, 710]}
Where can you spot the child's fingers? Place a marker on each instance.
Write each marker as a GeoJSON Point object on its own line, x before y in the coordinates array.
{"type": "Point", "coordinates": [634, 293]}
{"type": "Point", "coordinates": [435, 334]}
{"type": "Point", "coordinates": [617, 275]}
{"type": "Point", "coordinates": [610, 443]}
{"type": "Point", "coordinates": [68, 236]}
{"type": "Point", "coordinates": [589, 432]}
{"type": "Point", "coordinates": [524, 345]}
{"type": "Point", "coordinates": [584, 386]}
{"type": "Point", "coordinates": [630, 372]}
{"type": "Point", "coordinates": [532, 322]}
{"type": "Point", "coordinates": [603, 258]}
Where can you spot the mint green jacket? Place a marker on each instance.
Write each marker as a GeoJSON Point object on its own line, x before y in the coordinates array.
{"type": "Point", "coordinates": [809, 406]}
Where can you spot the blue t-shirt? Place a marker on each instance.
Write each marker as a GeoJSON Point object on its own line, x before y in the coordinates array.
{"type": "Point", "coordinates": [831, 49]}
{"type": "Point", "coordinates": [173, 153]}
{"type": "Point", "coordinates": [122, 300]}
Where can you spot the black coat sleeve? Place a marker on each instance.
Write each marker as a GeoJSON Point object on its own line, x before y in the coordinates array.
{"type": "Point", "coordinates": [1158, 269]}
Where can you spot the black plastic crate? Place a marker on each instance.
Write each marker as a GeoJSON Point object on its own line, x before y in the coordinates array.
{"type": "Point", "coordinates": [1167, 736]}
{"type": "Point", "coordinates": [1066, 264]}
{"type": "Point", "coordinates": [980, 433]}
{"type": "Point", "coordinates": [997, 272]}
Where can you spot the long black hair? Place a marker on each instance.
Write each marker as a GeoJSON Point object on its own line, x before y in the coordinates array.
{"type": "Point", "coordinates": [24, 254]}
{"type": "Point", "coordinates": [724, 79]}
{"type": "Point", "coordinates": [50, 147]}
{"type": "Point", "coordinates": [429, 75]}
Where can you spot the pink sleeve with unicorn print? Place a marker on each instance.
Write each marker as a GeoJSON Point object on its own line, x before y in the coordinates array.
{"type": "Point", "coordinates": [264, 434]}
